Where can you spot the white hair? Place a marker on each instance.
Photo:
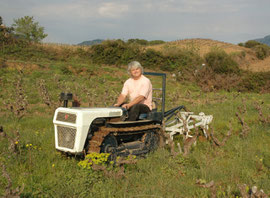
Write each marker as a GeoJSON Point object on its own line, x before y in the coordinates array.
{"type": "Point", "coordinates": [134, 65]}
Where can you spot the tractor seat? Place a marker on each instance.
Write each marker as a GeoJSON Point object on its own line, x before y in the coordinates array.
{"type": "Point", "coordinates": [144, 116]}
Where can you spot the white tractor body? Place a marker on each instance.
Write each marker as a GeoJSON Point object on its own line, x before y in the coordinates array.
{"type": "Point", "coordinates": [71, 125]}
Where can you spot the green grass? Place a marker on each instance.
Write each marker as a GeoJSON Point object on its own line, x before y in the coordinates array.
{"type": "Point", "coordinates": [44, 172]}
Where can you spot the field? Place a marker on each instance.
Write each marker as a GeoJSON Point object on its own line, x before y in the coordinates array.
{"type": "Point", "coordinates": [231, 162]}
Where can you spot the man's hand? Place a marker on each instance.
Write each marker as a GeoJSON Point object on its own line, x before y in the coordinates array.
{"type": "Point", "coordinates": [126, 106]}
{"type": "Point", "coordinates": [120, 100]}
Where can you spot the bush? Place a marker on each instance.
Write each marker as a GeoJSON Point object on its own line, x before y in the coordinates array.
{"type": "Point", "coordinates": [144, 42]}
{"type": "Point", "coordinates": [120, 52]}
{"type": "Point", "coordinates": [251, 43]}
{"type": "Point", "coordinates": [262, 51]}
{"type": "Point", "coordinates": [137, 41]}
{"type": "Point", "coordinates": [241, 44]}
{"type": "Point", "coordinates": [254, 81]}
{"type": "Point", "coordinates": [156, 42]}
{"type": "Point", "coordinates": [220, 62]}
{"type": "Point", "coordinates": [8, 40]}
{"type": "Point", "coordinates": [182, 60]}
{"type": "Point", "coordinates": [151, 58]}
{"type": "Point", "coordinates": [114, 52]}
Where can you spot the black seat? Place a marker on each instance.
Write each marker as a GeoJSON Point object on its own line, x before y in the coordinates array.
{"type": "Point", "coordinates": [144, 116]}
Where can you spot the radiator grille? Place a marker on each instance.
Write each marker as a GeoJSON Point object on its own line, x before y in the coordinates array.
{"type": "Point", "coordinates": [66, 117]}
{"type": "Point", "coordinates": [66, 137]}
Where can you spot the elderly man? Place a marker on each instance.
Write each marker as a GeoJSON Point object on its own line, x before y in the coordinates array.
{"type": "Point", "coordinates": [139, 90]}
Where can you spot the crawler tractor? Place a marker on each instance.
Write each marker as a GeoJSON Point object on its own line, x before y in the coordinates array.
{"type": "Point", "coordinates": [80, 130]}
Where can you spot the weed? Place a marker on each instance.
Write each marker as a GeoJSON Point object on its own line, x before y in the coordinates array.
{"type": "Point", "coordinates": [94, 158]}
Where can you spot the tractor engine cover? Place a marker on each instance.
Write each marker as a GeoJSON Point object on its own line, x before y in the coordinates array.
{"type": "Point", "coordinates": [71, 125]}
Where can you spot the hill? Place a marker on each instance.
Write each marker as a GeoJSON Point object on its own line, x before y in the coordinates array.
{"type": "Point", "coordinates": [265, 40]}
{"type": "Point", "coordinates": [92, 42]}
{"type": "Point", "coordinates": [249, 61]}
{"type": "Point", "coordinates": [234, 157]}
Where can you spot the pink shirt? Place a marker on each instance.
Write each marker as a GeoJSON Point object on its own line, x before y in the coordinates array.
{"type": "Point", "coordinates": [134, 88]}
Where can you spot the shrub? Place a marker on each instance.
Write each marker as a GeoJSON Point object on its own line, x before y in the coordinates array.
{"type": "Point", "coordinates": [241, 44]}
{"type": "Point", "coordinates": [221, 62]}
{"type": "Point", "coordinates": [182, 60]}
{"type": "Point", "coordinates": [137, 41]}
{"type": "Point", "coordinates": [251, 43]}
{"type": "Point", "coordinates": [189, 59]}
{"type": "Point", "coordinates": [144, 42]}
{"type": "Point", "coordinates": [8, 41]}
{"type": "Point", "coordinates": [262, 51]}
{"type": "Point", "coordinates": [170, 63]}
{"type": "Point", "coordinates": [108, 52]}
{"type": "Point", "coordinates": [94, 158]}
{"type": "Point", "coordinates": [151, 58]}
{"type": "Point", "coordinates": [156, 42]}
{"type": "Point", "coordinates": [254, 81]}
{"type": "Point", "coordinates": [113, 52]}
{"type": "Point", "coordinates": [131, 53]}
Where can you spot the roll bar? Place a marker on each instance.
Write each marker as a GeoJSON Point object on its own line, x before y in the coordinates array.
{"type": "Point", "coordinates": [163, 89]}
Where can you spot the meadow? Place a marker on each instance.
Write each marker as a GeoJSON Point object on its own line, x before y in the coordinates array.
{"type": "Point", "coordinates": [225, 165]}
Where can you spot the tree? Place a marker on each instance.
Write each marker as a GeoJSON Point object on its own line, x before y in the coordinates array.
{"type": "Point", "coordinates": [6, 33]}
{"type": "Point", "coordinates": [26, 28]}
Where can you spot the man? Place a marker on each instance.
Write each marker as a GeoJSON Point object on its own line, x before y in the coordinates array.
{"type": "Point", "coordinates": [139, 90]}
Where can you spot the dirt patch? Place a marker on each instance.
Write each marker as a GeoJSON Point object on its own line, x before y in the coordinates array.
{"type": "Point", "coordinates": [24, 66]}
{"type": "Point", "coordinates": [260, 65]}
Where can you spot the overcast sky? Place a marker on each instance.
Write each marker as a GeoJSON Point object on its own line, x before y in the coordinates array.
{"type": "Point", "coordinates": [74, 21]}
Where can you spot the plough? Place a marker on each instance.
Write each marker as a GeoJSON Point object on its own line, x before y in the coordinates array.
{"type": "Point", "coordinates": [183, 122]}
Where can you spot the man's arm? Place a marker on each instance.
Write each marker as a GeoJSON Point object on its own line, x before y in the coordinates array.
{"type": "Point", "coordinates": [120, 100]}
{"type": "Point", "coordinates": [137, 100]}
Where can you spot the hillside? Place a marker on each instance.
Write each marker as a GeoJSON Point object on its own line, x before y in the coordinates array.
{"type": "Point", "coordinates": [228, 163]}
{"type": "Point", "coordinates": [265, 40]}
{"type": "Point", "coordinates": [92, 42]}
{"type": "Point", "coordinates": [203, 46]}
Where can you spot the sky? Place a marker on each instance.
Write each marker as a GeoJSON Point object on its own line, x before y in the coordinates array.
{"type": "Point", "coordinates": [75, 21]}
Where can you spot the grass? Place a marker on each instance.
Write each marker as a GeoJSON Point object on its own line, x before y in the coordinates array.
{"type": "Point", "coordinates": [44, 172]}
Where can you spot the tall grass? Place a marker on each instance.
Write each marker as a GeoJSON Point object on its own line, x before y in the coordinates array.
{"type": "Point", "coordinates": [44, 172]}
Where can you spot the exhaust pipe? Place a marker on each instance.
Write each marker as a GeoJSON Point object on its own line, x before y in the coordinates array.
{"type": "Point", "coordinates": [65, 97]}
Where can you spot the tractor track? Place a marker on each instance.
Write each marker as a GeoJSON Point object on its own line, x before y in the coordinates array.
{"type": "Point", "coordinates": [100, 135]}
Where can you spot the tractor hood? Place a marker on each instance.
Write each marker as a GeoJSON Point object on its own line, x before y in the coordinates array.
{"type": "Point", "coordinates": [72, 125]}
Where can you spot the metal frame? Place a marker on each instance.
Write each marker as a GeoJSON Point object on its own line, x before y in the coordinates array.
{"type": "Point", "coordinates": [183, 121]}
{"type": "Point", "coordinates": [163, 89]}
